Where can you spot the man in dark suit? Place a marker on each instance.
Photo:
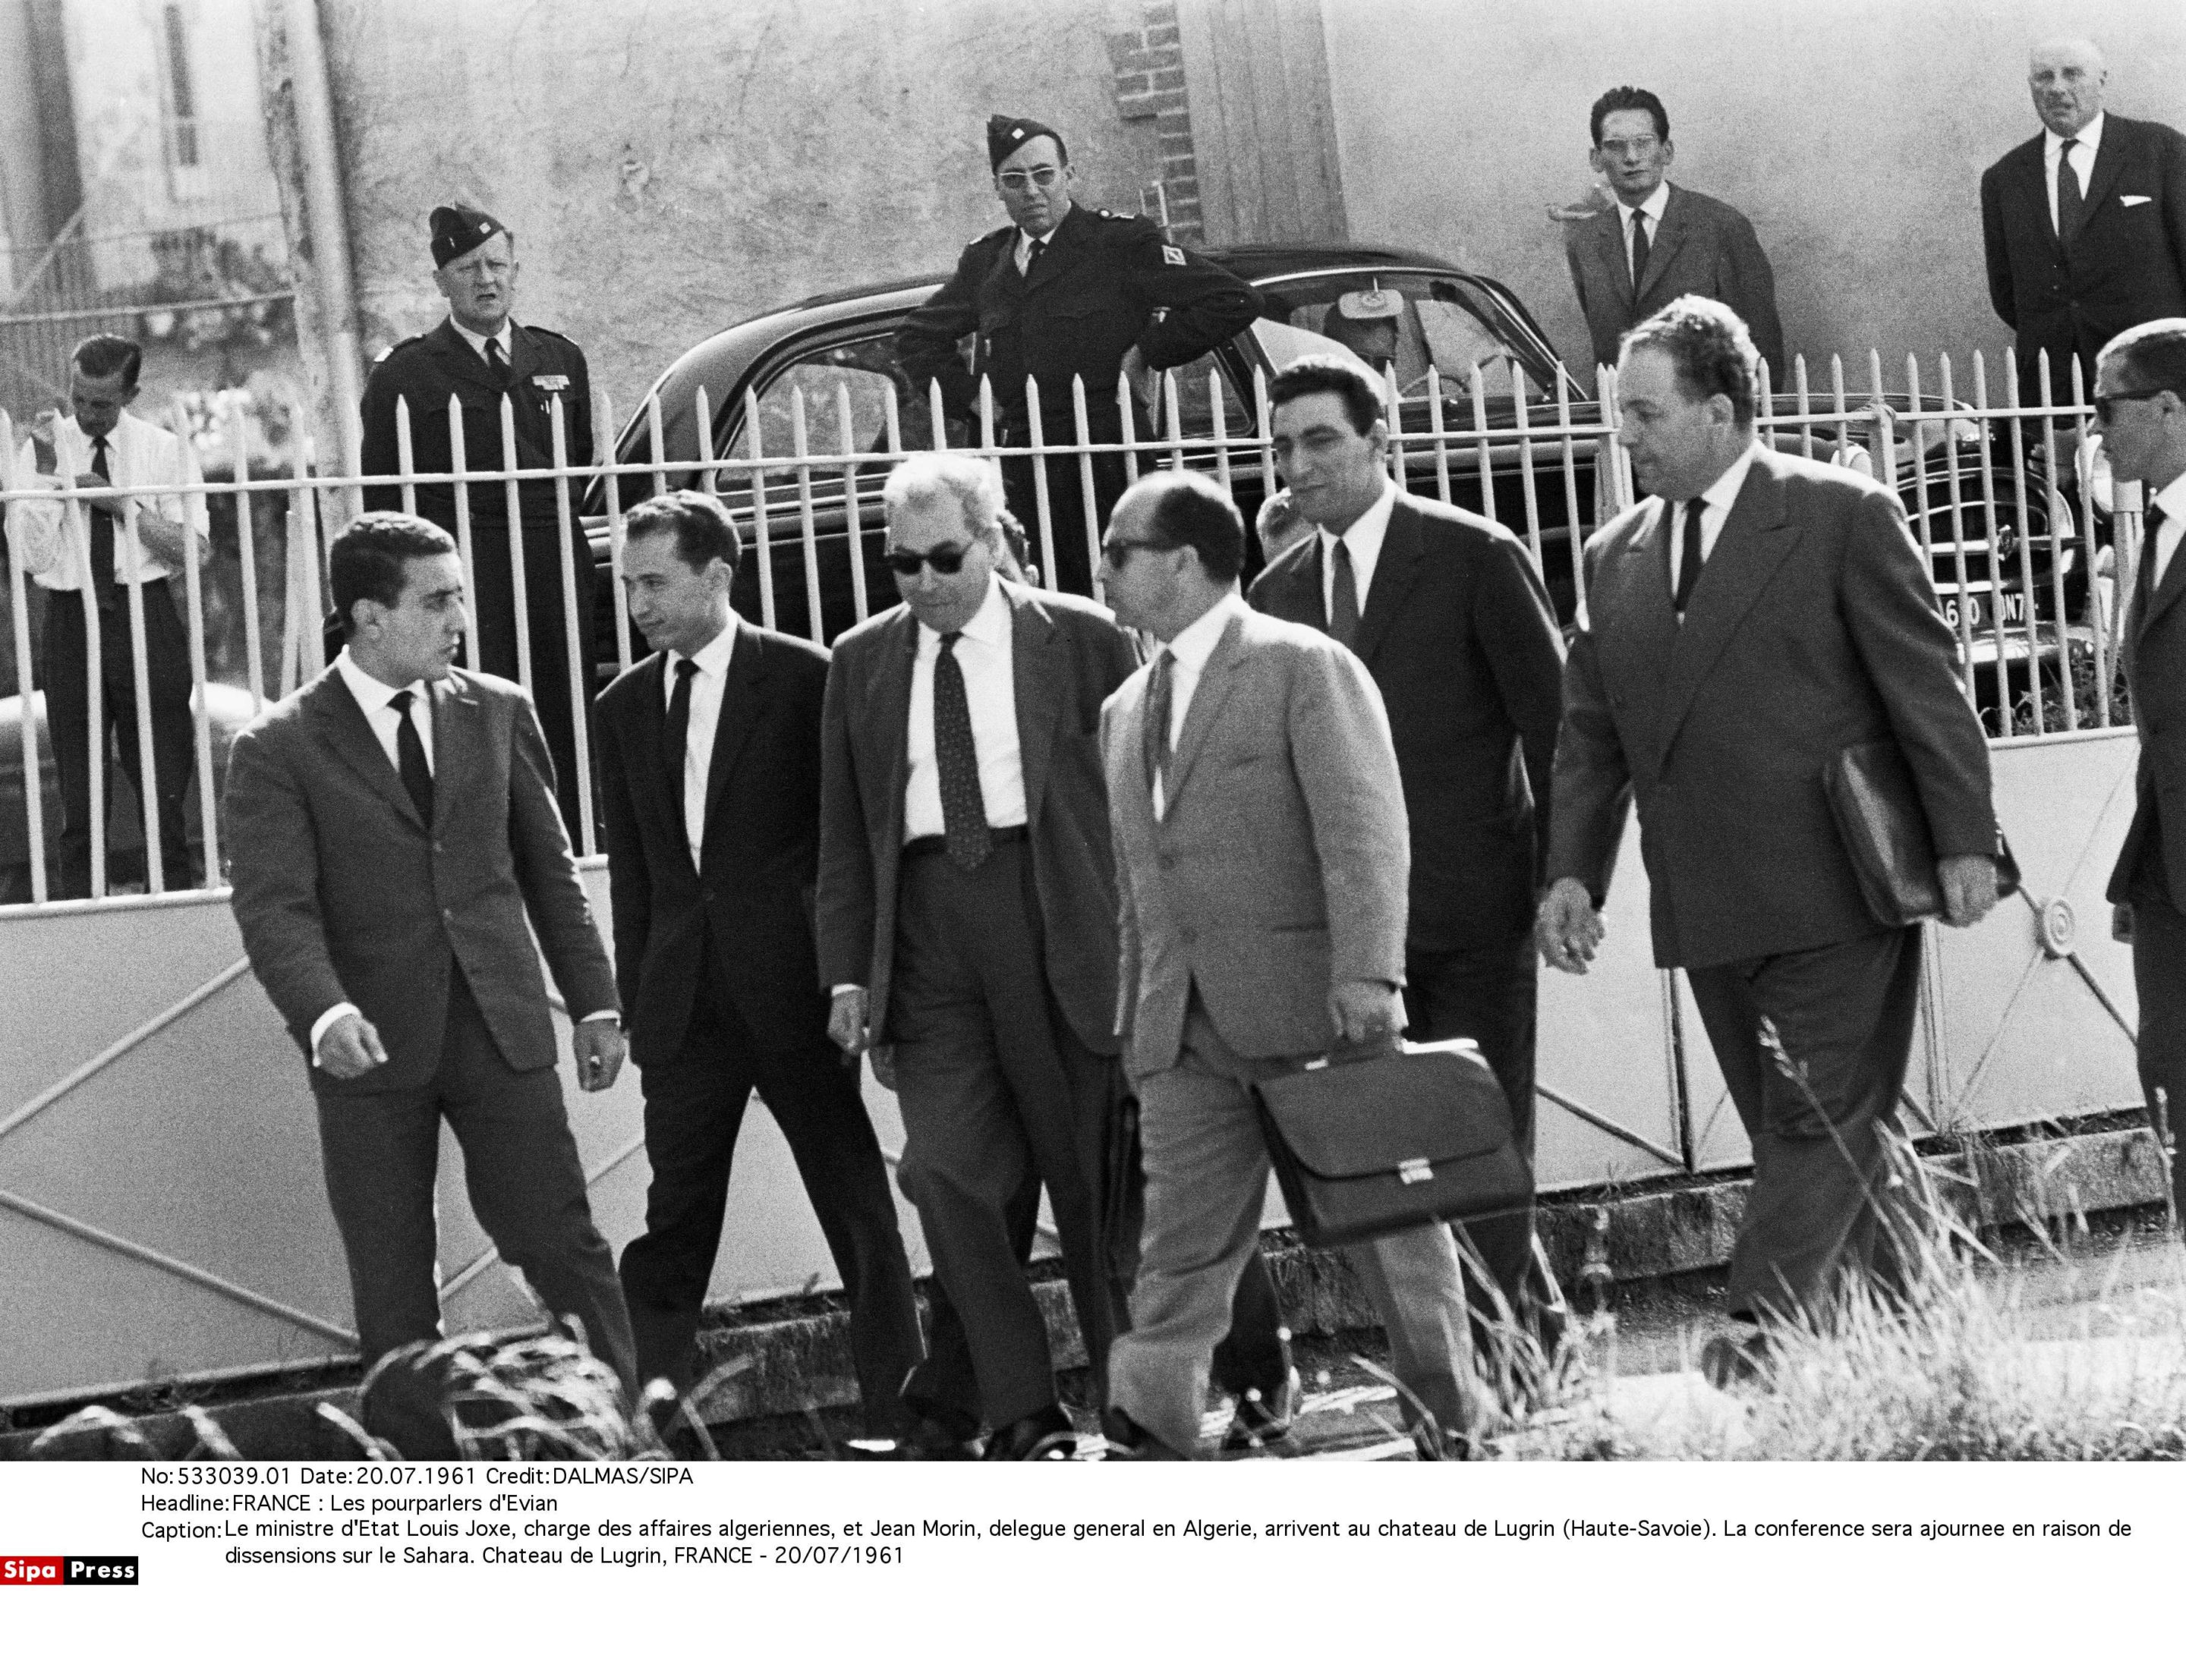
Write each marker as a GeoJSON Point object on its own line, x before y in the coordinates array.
{"type": "Point", "coordinates": [1455, 628]}
{"type": "Point", "coordinates": [1063, 292]}
{"type": "Point", "coordinates": [709, 793]}
{"type": "Point", "coordinates": [393, 826]}
{"type": "Point", "coordinates": [480, 356]}
{"type": "Point", "coordinates": [2140, 414]}
{"type": "Point", "coordinates": [966, 929]}
{"type": "Point", "coordinates": [2075, 258]}
{"type": "Point", "coordinates": [1658, 242]}
{"type": "Point", "coordinates": [1751, 618]}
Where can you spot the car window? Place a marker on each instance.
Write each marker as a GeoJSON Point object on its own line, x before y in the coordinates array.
{"type": "Point", "coordinates": [1195, 402]}
{"type": "Point", "coordinates": [853, 376]}
{"type": "Point", "coordinates": [1410, 321]}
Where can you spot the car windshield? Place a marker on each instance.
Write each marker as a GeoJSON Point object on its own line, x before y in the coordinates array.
{"type": "Point", "coordinates": [1412, 322]}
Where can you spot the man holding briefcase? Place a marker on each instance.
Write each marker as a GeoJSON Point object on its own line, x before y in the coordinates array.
{"type": "Point", "coordinates": [1751, 620]}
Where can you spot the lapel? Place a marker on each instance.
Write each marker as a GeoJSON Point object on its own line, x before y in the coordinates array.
{"type": "Point", "coordinates": [455, 744]}
{"type": "Point", "coordinates": [1293, 586]}
{"type": "Point", "coordinates": [2154, 603]}
{"type": "Point", "coordinates": [1631, 602]}
{"type": "Point", "coordinates": [1403, 556]}
{"type": "Point", "coordinates": [2103, 179]}
{"type": "Point", "coordinates": [1677, 222]}
{"type": "Point", "coordinates": [1065, 250]}
{"type": "Point", "coordinates": [1207, 700]}
{"type": "Point", "coordinates": [888, 703]}
{"type": "Point", "coordinates": [463, 367]}
{"type": "Point", "coordinates": [1038, 674]}
{"type": "Point", "coordinates": [1755, 540]}
{"type": "Point", "coordinates": [2031, 183]}
{"type": "Point", "coordinates": [646, 762]}
{"type": "Point", "coordinates": [341, 719]}
{"type": "Point", "coordinates": [523, 357]}
{"type": "Point", "coordinates": [1606, 230]}
{"type": "Point", "coordinates": [743, 696]}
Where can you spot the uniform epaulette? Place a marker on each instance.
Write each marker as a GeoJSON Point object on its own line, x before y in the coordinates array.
{"type": "Point", "coordinates": [400, 343]}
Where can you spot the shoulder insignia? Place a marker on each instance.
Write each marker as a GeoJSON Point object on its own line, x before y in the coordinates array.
{"type": "Point", "coordinates": [1111, 215]}
{"type": "Point", "coordinates": [548, 332]}
{"type": "Point", "coordinates": [1173, 255]}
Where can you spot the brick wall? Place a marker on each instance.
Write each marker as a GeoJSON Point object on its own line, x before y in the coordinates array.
{"type": "Point", "coordinates": [1149, 68]}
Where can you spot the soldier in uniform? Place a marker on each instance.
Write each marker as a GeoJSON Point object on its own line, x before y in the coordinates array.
{"type": "Point", "coordinates": [480, 354]}
{"type": "Point", "coordinates": [1064, 291]}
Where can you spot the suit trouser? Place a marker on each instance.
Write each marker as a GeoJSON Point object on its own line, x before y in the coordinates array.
{"type": "Point", "coordinates": [1822, 1206]}
{"type": "Point", "coordinates": [995, 1088]}
{"type": "Point", "coordinates": [381, 1148]}
{"type": "Point", "coordinates": [1207, 1180]}
{"type": "Point", "coordinates": [694, 1109]}
{"type": "Point", "coordinates": [1070, 567]}
{"type": "Point", "coordinates": [1488, 994]}
{"type": "Point", "coordinates": [68, 699]}
{"type": "Point", "coordinates": [2159, 974]}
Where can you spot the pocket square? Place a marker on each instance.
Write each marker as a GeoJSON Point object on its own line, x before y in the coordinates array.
{"type": "Point", "coordinates": [2129, 199]}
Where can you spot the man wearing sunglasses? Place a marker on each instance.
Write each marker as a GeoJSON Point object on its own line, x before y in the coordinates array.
{"type": "Point", "coordinates": [2140, 415]}
{"type": "Point", "coordinates": [967, 936]}
{"type": "Point", "coordinates": [1064, 292]}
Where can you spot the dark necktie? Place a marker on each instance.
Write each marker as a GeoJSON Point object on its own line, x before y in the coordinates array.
{"type": "Point", "coordinates": [1032, 257]}
{"type": "Point", "coordinates": [1640, 249]}
{"type": "Point", "coordinates": [2069, 206]}
{"type": "Point", "coordinates": [1688, 566]}
{"type": "Point", "coordinates": [956, 762]}
{"type": "Point", "coordinates": [410, 759]}
{"type": "Point", "coordinates": [105, 582]}
{"type": "Point", "coordinates": [496, 361]}
{"type": "Point", "coordinates": [1342, 595]}
{"type": "Point", "coordinates": [1153, 742]}
{"type": "Point", "coordinates": [675, 739]}
{"type": "Point", "coordinates": [2153, 523]}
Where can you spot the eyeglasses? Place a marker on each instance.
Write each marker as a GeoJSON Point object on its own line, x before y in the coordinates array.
{"type": "Point", "coordinates": [1017, 180]}
{"type": "Point", "coordinates": [2106, 406]}
{"type": "Point", "coordinates": [1118, 549]}
{"type": "Point", "coordinates": [946, 562]}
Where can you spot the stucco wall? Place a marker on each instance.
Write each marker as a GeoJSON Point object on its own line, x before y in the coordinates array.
{"type": "Point", "coordinates": [1852, 133]}
{"type": "Point", "coordinates": [671, 166]}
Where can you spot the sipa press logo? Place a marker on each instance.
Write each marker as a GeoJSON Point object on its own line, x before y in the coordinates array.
{"type": "Point", "coordinates": [68, 1571]}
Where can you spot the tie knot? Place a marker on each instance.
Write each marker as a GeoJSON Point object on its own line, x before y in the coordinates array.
{"type": "Point", "coordinates": [949, 639]}
{"type": "Point", "coordinates": [687, 668]}
{"type": "Point", "coordinates": [401, 701]}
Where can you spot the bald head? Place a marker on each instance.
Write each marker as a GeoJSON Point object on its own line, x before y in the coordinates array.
{"type": "Point", "coordinates": [2067, 78]}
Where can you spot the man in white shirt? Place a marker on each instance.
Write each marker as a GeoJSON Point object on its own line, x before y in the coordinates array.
{"type": "Point", "coordinates": [395, 850]}
{"type": "Point", "coordinates": [709, 794]}
{"type": "Point", "coordinates": [84, 555]}
{"type": "Point", "coordinates": [967, 932]}
{"type": "Point", "coordinates": [2140, 415]}
{"type": "Point", "coordinates": [2075, 258]}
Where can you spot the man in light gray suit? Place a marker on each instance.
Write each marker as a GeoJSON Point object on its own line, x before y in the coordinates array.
{"type": "Point", "coordinates": [1261, 860]}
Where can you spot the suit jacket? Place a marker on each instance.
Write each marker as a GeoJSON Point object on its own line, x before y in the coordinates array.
{"type": "Point", "coordinates": [1460, 637]}
{"type": "Point", "coordinates": [344, 896]}
{"type": "Point", "coordinates": [750, 898]}
{"type": "Point", "coordinates": [1068, 656]}
{"type": "Point", "coordinates": [1702, 246]}
{"type": "Point", "coordinates": [2125, 265]}
{"type": "Point", "coordinates": [1813, 627]}
{"type": "Point", "coordinates": [1280, 863]}
{"type": "Point", "coordinates": [2156, 668]}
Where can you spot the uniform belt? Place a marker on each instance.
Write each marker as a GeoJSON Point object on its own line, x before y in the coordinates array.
{"type": "Point", "coordinates": [926, 845]}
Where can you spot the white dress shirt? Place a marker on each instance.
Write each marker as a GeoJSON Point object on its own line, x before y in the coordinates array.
{"type": "Point", "coordinates": [2172, 499]}
{"type": "Point", "coordinates": [1193, 647]}
{"type": "Point", "coordinates": [983, 654]}
{"type": "Point", "coordinates": [1717, 500]}
{"type": "Point", "coordinates": [1652, 207]}
{"type": "Point", "coordinates": [54, 547]}
{"type": "Point", "coordinates": [706, 690]}
{"type": "Point", "coordinates": [1362, 541]}
{"type": "Point", "coordinates": [506, 338]}
{"type": "Point", "coordinates": [2084, 160]}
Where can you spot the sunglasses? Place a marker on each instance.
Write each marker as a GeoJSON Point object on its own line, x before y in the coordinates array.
{"type": "Point", "coordinates": [946, 562]}
{"type": "Point", "coordinates": [2106, 406]}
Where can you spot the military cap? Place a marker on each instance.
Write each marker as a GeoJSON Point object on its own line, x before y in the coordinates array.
{"type": "Point", "coordinates": [1005, 134]}
{"type": "Point", "coordinates": [458, 228]}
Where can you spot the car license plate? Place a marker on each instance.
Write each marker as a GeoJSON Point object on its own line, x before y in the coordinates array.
{"type": "Point", "coordinates": [1980, 610]}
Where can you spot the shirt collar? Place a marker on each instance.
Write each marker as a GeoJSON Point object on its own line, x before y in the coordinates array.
{"type": "Point", "coordinates": [506, 338]}
{"type": "Point", "coordinates": [1651, 207]}
{"type": "Point", "coordinates": [1194, 645]}
{"type": "Point", "coordinates": [714, 658]}
{"type": "Point", "coordinates": [1365, 533]}
{"type": "Point", "coordinates": [372, 694]}
{"type": "Point", "coordinates": [988, 626]}
{"type": "Point", "coordinates": [1725, 490]}
{"type": "Point", "coordinates": [2172, 499]}
{"type": "Point", "coordinates": [2091, 137]}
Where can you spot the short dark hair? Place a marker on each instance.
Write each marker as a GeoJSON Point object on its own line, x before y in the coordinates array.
{"type": "Point", "coordinates": [104, 355]}
{"type": "Point", "coordinates": [702, 527]}
{"type": "Point", "coordinates": [2155, 353]}
{"type": "Point", "coordinates": [1313, 375]}
{"type": "Point", "coordinates": [370, 558]}
{"type": "Point", "coordinates": [1628, 99]}
{"type": "Point", "coordinates": [1190, 508]}
{"type": "Point", "coordinates": [1709, 346]}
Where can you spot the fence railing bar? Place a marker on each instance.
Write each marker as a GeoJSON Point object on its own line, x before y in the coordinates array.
{"type": "Point", "coordinates": [200, 685]}
{"type": "Point", "coordinates": [603, 434]}
{"type": "Point", "coordinates": [798, 437]}
{"type": "Point", "coordinates": [1996, 557]}
{"type": "Point", "coordinates": [852, 527]}
{"type": "Point", "coordinates": [574, 634]}
{"type": "Point", "coordinates": [466, 549]}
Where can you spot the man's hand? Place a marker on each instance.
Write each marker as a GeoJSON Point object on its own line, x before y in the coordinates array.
{"type": "Point", "coordinates": [1362, 1011]}
{"type": "Point", "coordinates": [846, 1021]}
{"type": "Point", "coordinates": [597, 1046]}
{"type": "Point", "coordinates": [1969, 889]}
{"type": "Point", "coordinates": [114, 500]}
{"type": "Point", "coordinates": [1144, 381]}
{"type": "Point", "coordinates": [349, 1047]}
{"type": "Point", "coordinates": [1568, 929]}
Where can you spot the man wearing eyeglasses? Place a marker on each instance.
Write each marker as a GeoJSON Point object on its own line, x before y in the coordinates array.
{"type": "Point", "coordinates": [1064, 292]}
{"type": "Point", "coordinates": [2140, 415]}
{"type": "Point", "coordinates": [967, 936]}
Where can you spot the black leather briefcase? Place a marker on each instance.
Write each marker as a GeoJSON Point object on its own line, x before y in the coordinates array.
{"type": "Point", "coordinates": [1369, 1142]}
{"type": "Point", "coordinates": [1880, 817]}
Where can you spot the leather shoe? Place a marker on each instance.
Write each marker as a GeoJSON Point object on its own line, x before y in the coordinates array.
{"type": "Point", "coordinates": [928, 1440]}
{"type": "Point", "coordinates": [1729, 1361]}
{"type": "Point", "coordinates": [1043, 1437]}
{"type": "Point", "coordinates": [1127, 1443]}
{"type": "Point", "coordinates": [1261, 1420]}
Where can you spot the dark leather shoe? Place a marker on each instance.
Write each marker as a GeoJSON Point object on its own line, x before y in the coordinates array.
{"type": "Point", "coordinates": [1262, 1419]}
{"type": "Point", "coordinates": [929, 1440]}
{"type": "Point", "coordinates": [1044, 1436]}
{"type": "Point", "coordinates": [1731, 1361]}
{"type": "Point", "coordinates": [1130, 1444]}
